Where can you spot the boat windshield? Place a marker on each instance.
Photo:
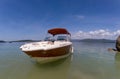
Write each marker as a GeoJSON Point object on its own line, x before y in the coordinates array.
{"type": "Point", "coordinates": [49, 39]}
{"type": "Point", "coordinates": [63, 38]}
{"type": "Point", "coordinates": [57, 38]}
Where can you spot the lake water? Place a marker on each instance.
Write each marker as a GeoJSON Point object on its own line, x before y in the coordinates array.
{"type": "Point", "coordinates": [89, 61]}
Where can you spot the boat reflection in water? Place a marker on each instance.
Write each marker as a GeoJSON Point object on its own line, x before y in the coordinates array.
{"type": "Point", "coordinates": [65, 62]}
{"type": "Point", "coordinates": [60, 69]}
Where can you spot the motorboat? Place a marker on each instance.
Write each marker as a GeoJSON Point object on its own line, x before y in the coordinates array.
{"type": "Point", "coordinates": [55, 46]}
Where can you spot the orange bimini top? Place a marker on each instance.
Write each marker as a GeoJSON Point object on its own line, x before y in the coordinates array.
{"type": "Point", "coordinates": [56, 31]}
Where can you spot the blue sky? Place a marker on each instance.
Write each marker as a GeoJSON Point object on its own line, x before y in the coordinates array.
{"type": "Point", "coordinates": [30, 19]}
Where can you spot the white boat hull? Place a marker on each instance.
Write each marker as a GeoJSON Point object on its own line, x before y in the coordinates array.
{"type": "Point", "coordinates": [50, 50]}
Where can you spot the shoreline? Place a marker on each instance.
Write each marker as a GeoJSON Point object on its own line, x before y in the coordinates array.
{"type": "Point", "coordinates": [2, 41]}
{"type": "Point", "coordinates": [80, 40]}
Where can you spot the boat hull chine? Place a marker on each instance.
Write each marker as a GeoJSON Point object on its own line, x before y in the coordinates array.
{"type": "Point", "coordinates": [50, 52]}
{"type": "Point", "coordinates": [43, 60]}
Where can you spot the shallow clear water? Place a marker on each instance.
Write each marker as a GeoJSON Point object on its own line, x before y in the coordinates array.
{"type": "Point", "coordinates": [89, 61]}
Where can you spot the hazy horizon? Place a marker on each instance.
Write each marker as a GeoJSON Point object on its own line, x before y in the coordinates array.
{"type": "Point", "coordinates": [43, 39]}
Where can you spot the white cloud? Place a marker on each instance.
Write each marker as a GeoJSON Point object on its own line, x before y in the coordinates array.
{"type": "Point", "coordinates": [97, 34]}
{"type": "Point", "coordinates": [117, 32]}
